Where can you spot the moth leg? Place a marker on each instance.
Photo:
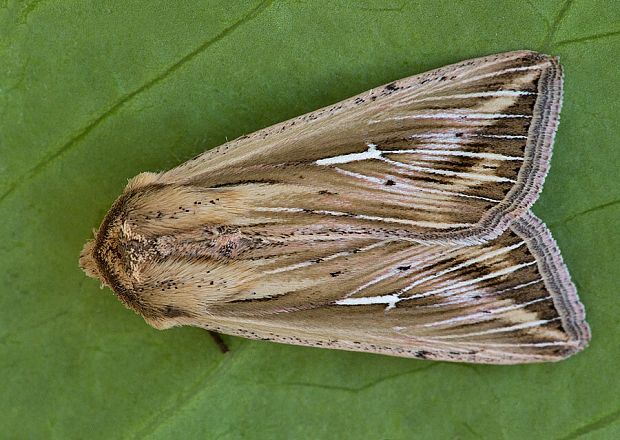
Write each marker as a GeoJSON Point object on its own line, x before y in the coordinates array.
{"type": "Point", "coordinates": [219, 342]}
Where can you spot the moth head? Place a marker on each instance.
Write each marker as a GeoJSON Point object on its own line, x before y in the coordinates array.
{"type": "Point", "coordinates": [87, 262]}
{"type": "Point", "coordinates": [116, 252]}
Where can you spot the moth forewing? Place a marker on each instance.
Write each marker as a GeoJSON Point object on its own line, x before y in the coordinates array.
{"type": "Point", "coordinates": [450, 155]}
{"type": "Point", "coordinates": [377, 224]}
{"type": "Point", "coordinates": [508, 301]}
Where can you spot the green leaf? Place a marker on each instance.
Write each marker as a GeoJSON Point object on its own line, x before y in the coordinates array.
{"type": "Point", "coordinates": [91, 93]}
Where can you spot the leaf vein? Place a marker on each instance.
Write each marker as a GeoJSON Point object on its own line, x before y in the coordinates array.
{"type": "Point", "coordinates": [585, 212]}
{"type": "Point", "coordinates": [193, 391]}
{"type": "Point", "coordinates": [588, 38]}
{"type": "Point", "coordinates": [361, 388]}
{"type": "Point", "coordinates": [555, 25]}
{"type": "Point", "coordinates": [52, 156]}
{"type": "Point", "coordinates": [596, 425]}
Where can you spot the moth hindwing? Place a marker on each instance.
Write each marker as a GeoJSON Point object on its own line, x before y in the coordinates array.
{"type": "Point", "coordinates": [395, 222]}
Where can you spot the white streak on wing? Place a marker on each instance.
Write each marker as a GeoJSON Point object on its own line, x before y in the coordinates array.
{"type": "Point", "coordinates": [371, 153]}
{"type": "Point", "coordinates": [474, 176]}
{"type": "Point", "coordinates": [485, 315]}
{"type": "Point", "coordinates": [492, 156]}
{"type": "Point", "coordinates": [453, 289]}
{"type": "Point", "coordinates": [497, 136]}
{"type": "Point", "coordinates": [265, 209]}
{"type": "Point", "coordinates": [451, 137]}
{"type": "Point", "coordinates": [520, 286]}
{"type": "Point", "coordinates": [462, 265]}
{"type": "Point", "coordinates": [445, 137]}
{"type": "Point", "coordinates": [445, 115]}
{"type": "Point", "coordinates": [288, 268]}
{"type": "Point", "coordinates": [362, 176]}
{"type": "Point", "coordinates": [390, 300]}
{"type": "Point", "coordinates": [499, 330]}
{"type": "Point", "coordinates": [397, 220]}
{"type": "Point", "coordinates": [442, 135]}
{"type": "Point", "coordinates": [533, 344]}
{"type": "Point", "coordinates": [374, 245]}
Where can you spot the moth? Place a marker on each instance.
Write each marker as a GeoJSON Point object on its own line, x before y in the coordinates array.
{"type": "Point", "coordinates": [394, 222]}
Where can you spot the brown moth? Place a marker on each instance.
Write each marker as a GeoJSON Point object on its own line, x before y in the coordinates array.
{"type": "Point", "coordinates": [394, 222]}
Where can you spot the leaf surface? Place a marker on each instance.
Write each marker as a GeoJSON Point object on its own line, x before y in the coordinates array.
{"type": "Point", "coordinates": [92, 94]}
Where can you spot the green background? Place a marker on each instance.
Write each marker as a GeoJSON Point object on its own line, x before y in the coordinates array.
{"type": "Point", "coordinates": [91, 93]}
